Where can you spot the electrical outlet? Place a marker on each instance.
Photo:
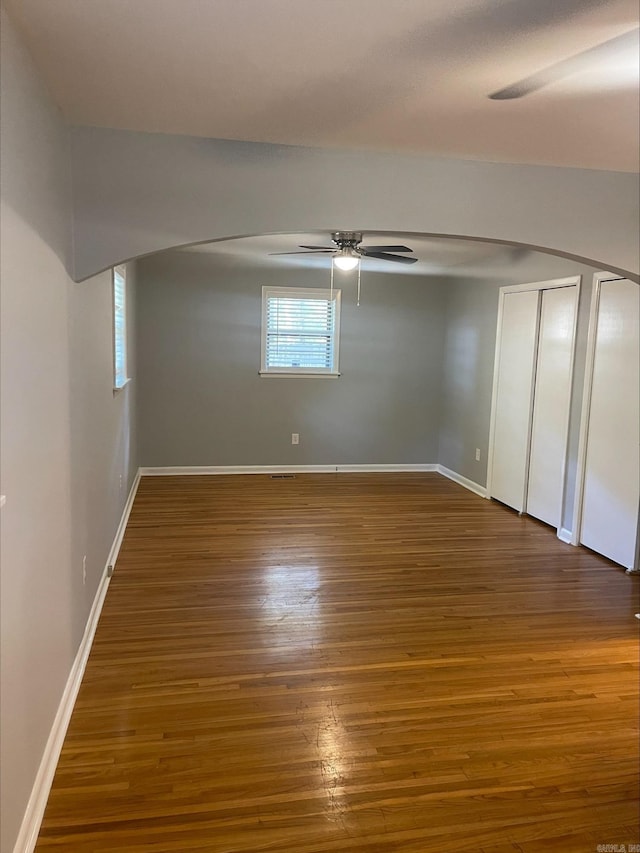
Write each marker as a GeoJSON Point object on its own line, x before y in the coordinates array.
{"type": "Point", "coordinates": [477, 454]}
{"type": "Point", "coordinates": [84, 570]}
{"type": "Point", "coordinates": [120, 482]}
{"type": "Point", "coordinates": [295, 438]}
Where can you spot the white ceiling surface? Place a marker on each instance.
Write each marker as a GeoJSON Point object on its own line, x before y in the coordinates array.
{"type": "Point", "coordinates": [436, 255]}
{"type": "Point", "coordinates": [397, 75]}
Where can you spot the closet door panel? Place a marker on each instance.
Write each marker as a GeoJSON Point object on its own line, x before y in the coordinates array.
{"type": "Point", "coordinates": [612, 475]}
{"type": "Point", "coordinates": [512, 415]}
{"type": "Point", "coordinates": [551, 404]}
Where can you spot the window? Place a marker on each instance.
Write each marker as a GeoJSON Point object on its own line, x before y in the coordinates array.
{"type": "Point", "coordinates": [120, 378]}
{"type": "Point", "coordinates": [300, 331]}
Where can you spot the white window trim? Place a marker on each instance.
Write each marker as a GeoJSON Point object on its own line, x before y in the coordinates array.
{"type": "Point", "coordinates": [301, 372]}
{"type": "Point", "coordinates": [122, 271]}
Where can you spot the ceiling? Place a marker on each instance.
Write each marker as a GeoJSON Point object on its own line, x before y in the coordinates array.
{"type": "Point", "coordinates": [392, 75]}
{"type": "Point", "coordinates": [436, 255]}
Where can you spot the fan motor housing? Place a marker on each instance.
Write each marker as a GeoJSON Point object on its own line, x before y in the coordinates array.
{"type": "Point", "coordinates": [347, 239]}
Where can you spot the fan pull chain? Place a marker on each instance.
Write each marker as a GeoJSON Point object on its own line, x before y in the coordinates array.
{"type": "Point", "coordinates": [331, 299]}
{"type": "Point", "coordinates": [359, 266]}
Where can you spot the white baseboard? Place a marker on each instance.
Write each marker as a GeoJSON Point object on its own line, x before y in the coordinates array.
{"type": "Point", "coordinates": [34, 812]}
{"type": "Point", "coordinates": [200, 470]}
{"type": "Point", "coordinates": [566, 536]}
{"type": "Point", "coordinates": [126, 512]}
{"type": "Point", "coordinates": [462, 481]}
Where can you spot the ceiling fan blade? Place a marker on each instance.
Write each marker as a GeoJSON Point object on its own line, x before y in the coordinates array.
{"type": "Point", "coordinates": [398, 259]}
{"type": "Point", "coordinates": [319, 252]}
{"type": "Point", "coordinates": [572, 65]}
{"type": "Point", "coordinates": [366, 250]}
{"type": "Point", "coordinates": [327, 248]}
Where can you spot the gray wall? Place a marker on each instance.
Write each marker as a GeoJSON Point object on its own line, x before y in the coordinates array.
{"type": "Point", "coordinates": [202, 401]}
{"type": "Point", "coordinates": [471, 313]}
{"type": "Point", "coordinates": [66, 439]}
{"type": "Point", "coordinates": [137, 193]}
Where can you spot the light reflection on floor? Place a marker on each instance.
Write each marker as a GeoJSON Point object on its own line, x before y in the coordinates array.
{"type": "Point", "coordinates": [292, 596]}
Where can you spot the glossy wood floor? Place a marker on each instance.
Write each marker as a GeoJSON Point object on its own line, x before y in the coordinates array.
{"type": "Point", "coordinates": [351, 663]}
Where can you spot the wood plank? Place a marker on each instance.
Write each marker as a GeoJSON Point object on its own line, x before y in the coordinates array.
{"type": "Point", "coordinates": [350, 663]}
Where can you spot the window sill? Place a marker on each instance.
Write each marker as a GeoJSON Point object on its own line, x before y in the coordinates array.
{"type": "Point", "coordinates": [275, 374]}
{"type": "Point", "coordinates": [117, 388]}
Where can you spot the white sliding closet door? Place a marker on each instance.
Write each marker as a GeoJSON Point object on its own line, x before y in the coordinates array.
{"type": "Point", "coordinates": [612, 474]}
{"type": "Point", "coordinates": [551, 404]}
{"type": "Point", "coordinates": [514, 394]}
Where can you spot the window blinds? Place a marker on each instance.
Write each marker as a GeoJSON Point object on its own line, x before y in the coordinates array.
{"type": "Point", "coordinates": [119, 328]}
{"type": "Point", "coordinates": [299, 333]}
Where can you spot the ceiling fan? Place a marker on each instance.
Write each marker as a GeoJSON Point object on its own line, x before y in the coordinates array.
{"type": "Point", "coordinates": [347, 251]}
{"type": "Point", "coordinates": [615, 49]}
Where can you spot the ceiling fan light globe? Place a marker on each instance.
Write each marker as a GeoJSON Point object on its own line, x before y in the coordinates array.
{"type": "Point", "coordinates": [346, 261]}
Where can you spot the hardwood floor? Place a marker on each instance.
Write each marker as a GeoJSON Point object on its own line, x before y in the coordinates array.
{"type": "Point", "coordinates": [351, 662]}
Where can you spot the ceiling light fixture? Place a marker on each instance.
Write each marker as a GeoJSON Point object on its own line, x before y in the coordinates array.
{"type": "Point", "coordinates": [346, 259]}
